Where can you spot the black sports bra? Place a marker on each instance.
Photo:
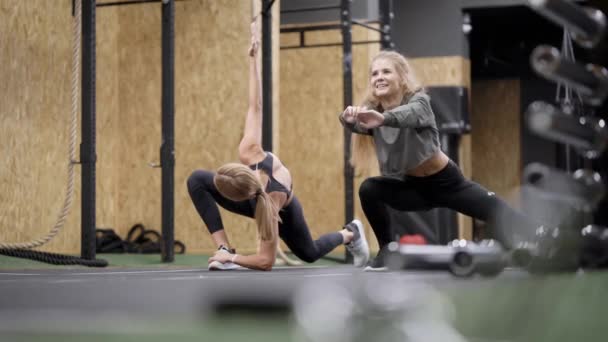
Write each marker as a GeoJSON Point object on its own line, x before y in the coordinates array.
{"type": "Point", "coordinates": [273, 184]}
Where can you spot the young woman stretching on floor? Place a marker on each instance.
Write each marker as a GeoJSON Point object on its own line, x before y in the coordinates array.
{"type": "Point", "coordinates": [261, 188]}
{"type": "Point", "coordinates": [397, 127]}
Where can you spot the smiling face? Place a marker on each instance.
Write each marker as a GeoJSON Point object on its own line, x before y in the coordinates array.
{"type": "Point", "coordinates": [384, 79]}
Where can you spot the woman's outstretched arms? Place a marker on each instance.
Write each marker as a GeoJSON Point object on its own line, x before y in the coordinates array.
{"type": "Point", "coordinates": [348, 119]}
{"type": "Point", "coordinates": [416, 113]}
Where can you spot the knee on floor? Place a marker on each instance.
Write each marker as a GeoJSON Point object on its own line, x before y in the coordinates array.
{"type": "Point", "coordinates": [307, 257]}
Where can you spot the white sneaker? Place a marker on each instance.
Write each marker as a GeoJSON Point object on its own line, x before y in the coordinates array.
{"type": "Point", "coordinates": [375, 269]}
{"type": "Point", "coordinates": [359, 247]}
{"type": "Point", "coordinates": [218, 266]}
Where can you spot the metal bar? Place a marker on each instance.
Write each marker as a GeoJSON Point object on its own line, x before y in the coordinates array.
{"type": "Point", "coordinates": [87, 147]}
{"type": "Point", "coordinates": [586, 134]}
{"type": "Point", "coordinates": [267, 77]}
{"type": "Point", "coordinates": [587, 25]}
{"type": "Point", "coordinates": [290, 47]}
{"type": "Point", "coordinates": [311, 9]}
{"type": "Point", "coordinates": [347, 74]}
{"type": "Point", "coordinates": [129, 2]}
{"type": "Point", "coordinates": [167, 149]}
{"type": "Point", "coordinates": [322, 27]}
{"type": "Point", "coordinates": [386, 19]}
{"type": "Point", "coordinates": [590, 81]}
{"type": "Point", "coordinates": [311, 28]}
{"type": "Point", "coordinates": [367, 26]}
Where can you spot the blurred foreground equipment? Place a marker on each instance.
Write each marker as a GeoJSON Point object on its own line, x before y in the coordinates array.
{"type": "Point", "coordinates": [461, 257]}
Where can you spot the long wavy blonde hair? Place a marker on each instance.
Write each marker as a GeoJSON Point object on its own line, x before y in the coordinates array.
{"type": "Point", "coordinates": [363, 157]}
{"type": "Point", "coordinates": [238, 183]}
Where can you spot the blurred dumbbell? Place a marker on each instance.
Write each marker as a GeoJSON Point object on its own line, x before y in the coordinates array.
{"type": "Point", "coordinates": [594, 249]}
{"type": "Point", "coordinates": [583, 189]}
{"type": "Point", "coordinates": [588, 25]}
{"type": "Point", "coordinates": [550, 250]}
{"type": "Point", "coordinates": [486, 258]}
{"type": "Point", "coordinates": [590, 80]}
{"type": "Point", "coordinates": [462, 258]}
{"type": "Point", "coordinates": [588, 135]}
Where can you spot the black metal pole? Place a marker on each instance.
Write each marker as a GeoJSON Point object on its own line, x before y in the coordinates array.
{"type": "Point", "coordinates": [167, 149]}
{"type": "Point", "coordinates": [386, 20]}
{"type": "Point", "coordinates": [347, 74]}
{"type": "Point", "coordinates": [267, 75]}
{"type": "Point", "coordinates": [87, 146]}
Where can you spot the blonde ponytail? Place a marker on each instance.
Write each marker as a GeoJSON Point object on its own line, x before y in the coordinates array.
{"type": "Point", "coordinates": [363, 155]}
{"type": "Point", "coordinates": [265, 214]}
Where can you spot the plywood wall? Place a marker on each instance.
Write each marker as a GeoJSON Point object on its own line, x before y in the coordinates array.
{"type": "Point", "coordinates": [211, 71]}
{"type": "Point", "coordinates": [211, 42]}
{"type": "Point", "coordinates": [496, 136]}
{"type": "Point", "coordinates": [108, 114]}
{"type": "Point", "coordinates": [443, 71]}
{"type": "Point", "coordinates": [35, 110]}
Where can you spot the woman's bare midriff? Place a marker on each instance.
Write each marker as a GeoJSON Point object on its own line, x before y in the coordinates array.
{"type": "Point", "coordinates": [430, 166]}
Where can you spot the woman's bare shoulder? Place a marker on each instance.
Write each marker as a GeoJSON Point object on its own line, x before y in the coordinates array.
{"type": "Point", "coordinates": [252, 156]}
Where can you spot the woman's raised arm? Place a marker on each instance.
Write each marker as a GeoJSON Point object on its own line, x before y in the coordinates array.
{"type": "Point", "coordinates": [250, 148]}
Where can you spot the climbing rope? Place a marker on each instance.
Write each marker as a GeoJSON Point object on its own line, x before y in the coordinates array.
{"type": "Point", "coordinates": [69, 196]}
{"type": "Point", "coordinates": [20, 250]}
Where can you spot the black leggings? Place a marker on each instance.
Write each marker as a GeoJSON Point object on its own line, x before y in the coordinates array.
{"type": "Point", "coordinates": [447, 188]}
{"type": "Point", "coordinates": [293, 229]}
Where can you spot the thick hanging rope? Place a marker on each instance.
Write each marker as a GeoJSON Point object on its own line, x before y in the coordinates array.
{"type": "Point", "coordinates": [21, 250]}
{"type": "Point", "coordinates": [69, 196]}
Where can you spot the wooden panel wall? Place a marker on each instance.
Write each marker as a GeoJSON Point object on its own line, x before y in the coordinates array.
{"type": "Point", "coordinates": [35, 105]}
{"type": "Point", "coordinates": [212, 38]}
{"type": "Point", "coordinates": [211, 42]}
{"type": "Point", "coordinates": [443, 71]}
{"type": "Point", "coordinates": [496, 136]}
{"type": "Point", "coordinates": [108, 114]}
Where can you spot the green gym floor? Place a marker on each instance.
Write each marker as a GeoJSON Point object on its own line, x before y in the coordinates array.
{"type": "Point", "coordinates": [138, 298]}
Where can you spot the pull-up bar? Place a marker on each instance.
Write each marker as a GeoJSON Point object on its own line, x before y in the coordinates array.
{"type": "Point", "coordinates": [131, 2]}
{"type": "Point", "coordinates": [310, 9]}
{"type": "Point", "coordinates": [359, 23]}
